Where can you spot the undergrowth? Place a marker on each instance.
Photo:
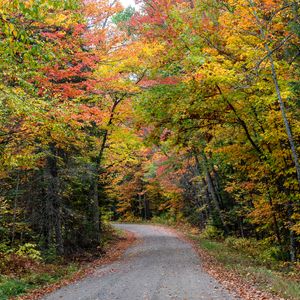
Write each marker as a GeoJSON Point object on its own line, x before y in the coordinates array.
{"type": "Point", "coordinates": [27, 269]}
{"type": "Point", "coordinates": [255, 261]}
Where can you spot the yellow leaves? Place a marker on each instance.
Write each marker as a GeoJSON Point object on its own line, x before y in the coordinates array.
{"type": "Point", "coordinates": [148, 50]}
{"type": "Point", "coordinates": [296, 227]}
{"type": "Point", "coordinates": [25, 159]}
{"type": "Point", "coordinates": [262, 212]}
{"type": "Point", "coordinates": [17, 100]}
{"type": "Point", "coordinates": [125, 147]}
{"type": "Point", "coordinates": [100, 10]}
{"type": "Point", "coordinates": [59, 19]}
{"type": "Point", "coordinates": [121, 68]}
{"type": "Point", "coordinates": [10, 30]}
{"type": "Point", "coordinates": [28, 3]}
{"type": "Point", "coordinates": [219, 70]}
{"type": "Point", "coordinates": [269, 4]}
{"type": "Point", "coordinates": [13, 30]}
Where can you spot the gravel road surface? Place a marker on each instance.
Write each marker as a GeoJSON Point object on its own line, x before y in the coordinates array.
{"type": "Point", "coordinates": [158, 267]}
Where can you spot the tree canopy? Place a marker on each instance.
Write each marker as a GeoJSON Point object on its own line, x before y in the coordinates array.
{"type": "Point", "coordinates": [182, 109]}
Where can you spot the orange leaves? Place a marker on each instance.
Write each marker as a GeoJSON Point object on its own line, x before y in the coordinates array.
{"type": "Point", "coordinates": [100, 11]}
{"type": "Point", "coordinates": [91, 114]}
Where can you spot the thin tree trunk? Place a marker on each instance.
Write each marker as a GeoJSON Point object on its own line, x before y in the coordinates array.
{"type": "Point", "coordinates": [207, 197]}
{"type": "Point", "coordinates": [205, 186]}
{"type": "Point", "coordinates": [284, 117]}
{"type": "Point", "coordinates": [212, 190]}
{"type": "Point", "coordinates": [275, 222]}
{"type": "Point", "coordinates": [217, 186]}
{"type": "Point", "coordinates": [292, 237]}
{"type": "Point", "coordinates": [15, 209]}
{"type": "Point", "coordinates": [95, 184]}
{"type": "Point", "coordinates": [241, 227]}
{"type": "Point", "coordinates": [146, 208]}
{"type": "Point", "coordinates": [288, 130]}
{"type": "Point", "coordinates": [96, 211]}
{"type": "Point", "coordinates": [242, 123]}
{"type": "Point", "coordinates": [54, 198]}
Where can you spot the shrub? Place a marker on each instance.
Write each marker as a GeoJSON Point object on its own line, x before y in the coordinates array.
{"type": "Point", "coordinates": [262, 250]}
{"type": "Point", "coordinates": [49, 255]}
{"type": "Point", "coordinates": [5, 249]}
{"type": "Point", "coordinates": [241, 244]}
{"type": "Point", "coordinates": [16, 264]}
{"type": "Point", "coordinates": [168, 218]}
{"type": "Point", "coordinates": [212, 232]}
{"type": "Point", "coordinates": [29, 250]}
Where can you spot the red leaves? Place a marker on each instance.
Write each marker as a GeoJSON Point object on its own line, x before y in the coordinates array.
{"type": "Point", "coordinates": [53, 35]}
{"type": "Point", "coordinates": [89, 114]}
{"type": "Point", "coordinates": [70, 78]}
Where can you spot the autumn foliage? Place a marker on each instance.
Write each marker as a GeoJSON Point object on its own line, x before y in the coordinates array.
{"type": "Point", "coordinates": [183, 109]}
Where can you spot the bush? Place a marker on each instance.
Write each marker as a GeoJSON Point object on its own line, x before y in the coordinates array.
{"type": "Point", "coordinates": [272, 253]}
{"type": "Point", "coordinates": [212, 232]}
{"type": "Point", "coordinates": [167, 218]}
{"type": "Point", "coordinates": [240, 244]}
{"type": "Point", "coordinates": [262, 250]}
{"type": "Point", "coordinates": [16, 264]}
{"type": "Point", "coordinates": [49, 255]}
{"type": "Point", "coordinates": [29, 250]}
{"type": "Point", "coordinates": [5, 249]}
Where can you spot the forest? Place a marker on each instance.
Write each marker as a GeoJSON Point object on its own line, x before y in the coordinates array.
{"type": "Point", "coordinates": [182, 110]}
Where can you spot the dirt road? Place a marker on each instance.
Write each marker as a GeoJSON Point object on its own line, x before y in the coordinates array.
{"type": "Point", "coordinates": [159, 266]}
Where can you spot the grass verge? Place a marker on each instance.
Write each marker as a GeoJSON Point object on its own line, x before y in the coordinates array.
{"type": "Point", "coordinates": [276, 278]}
{"type": "Point", "coordinates": [12, 286]}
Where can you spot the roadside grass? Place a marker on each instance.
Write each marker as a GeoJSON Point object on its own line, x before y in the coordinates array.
{"type": "Point", "coordinates": [10, 287]}
{"type": "Point", "coordinates": [275, 277]}
{"type": "Point", "coordinates": [18, 285]}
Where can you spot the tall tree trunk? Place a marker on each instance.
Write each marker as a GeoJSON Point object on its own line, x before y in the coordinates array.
{"type": "Point", "coordinates": [208, 211]}
{"type": "Point", "coordinates": [288, 130]}
{"type": "Point", "coordinates": [15, 209]}
{"type": "Point", "coordinates": [54, 198]}
{"type": "Point", "coordinates": [146, 208]}
{"type": "Point", "coordinates": [140, 205]}
{"type": "Point", "coordinates": [284, 117]}
{"type": "Point", "coordinates": [274, 217]}
{"type": "Point", "coordinates": [292, 237]}
{"type": "Point", "coordinates": [217, 185]}
{"type": "Point", "coordinates": [96, 210]}
{"type": "Point", "coordinates": [212, 189]}
{"type": "Point", "coordinates": [241, 227]}
{"type": "Point", "coordinates": [95, 186]}
{"type": "Point", "coordinates": [208, 201]}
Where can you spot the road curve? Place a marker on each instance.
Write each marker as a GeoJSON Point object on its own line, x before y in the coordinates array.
{"type": "Point", "coordinates": [159, 267]}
